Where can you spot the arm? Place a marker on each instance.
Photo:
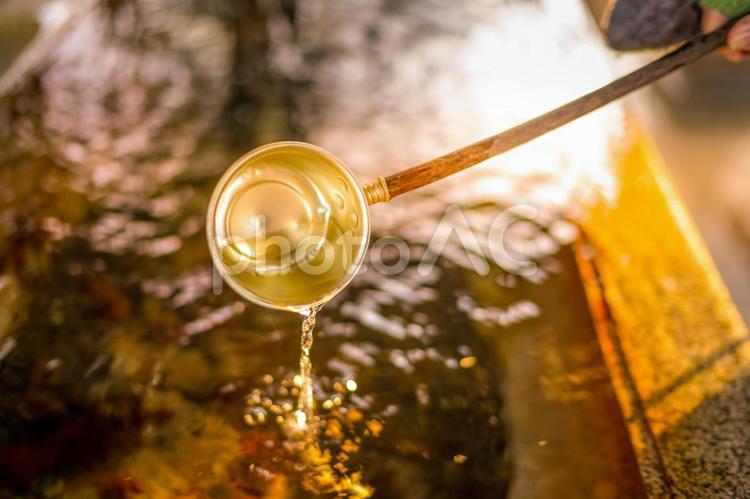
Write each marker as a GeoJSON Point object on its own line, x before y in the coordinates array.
{"type": "Point", "coordinates": [641, 24]}
{"type": "Point", "coordinates": [738, 41]}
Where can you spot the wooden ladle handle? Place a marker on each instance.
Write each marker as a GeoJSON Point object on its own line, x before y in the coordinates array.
{"type": "Point", "coordinates": [455, 161]}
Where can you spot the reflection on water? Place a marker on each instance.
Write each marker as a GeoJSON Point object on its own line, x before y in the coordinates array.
{"type": "Point", "coordinates": [122, 373]}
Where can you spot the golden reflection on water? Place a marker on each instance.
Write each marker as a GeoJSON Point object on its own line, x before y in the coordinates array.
{"type": "Point", "coordinates": [324, 440]}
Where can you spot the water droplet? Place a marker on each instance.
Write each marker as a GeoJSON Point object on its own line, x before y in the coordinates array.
{"type": "Point", "coordinates": [301, 419]}
{"type": "Point", "coordinates": [354, 218]}
{"type": "Point", "coordinates": [344, 187]}
{"type": "Point", "coordinates": [468, 362]}
{"type": "Point", "coordinates": [255, 416]}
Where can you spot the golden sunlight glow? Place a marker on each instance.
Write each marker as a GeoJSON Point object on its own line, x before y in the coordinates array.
{"type": "Point", "coordinates": [523, 60]}
{"type": "Point", "coordinates": [468, 362]}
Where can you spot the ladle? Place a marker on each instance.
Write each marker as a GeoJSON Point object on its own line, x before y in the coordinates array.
{"type": "Point", "coordinates": [288, 224]}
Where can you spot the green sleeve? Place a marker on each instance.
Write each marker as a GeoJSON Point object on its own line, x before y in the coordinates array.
{"type": "Point", "coordinates": [730, 8]}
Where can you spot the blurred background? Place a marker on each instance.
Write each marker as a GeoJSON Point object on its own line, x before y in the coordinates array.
{"type": "Point", "coordinates": [699, 119]}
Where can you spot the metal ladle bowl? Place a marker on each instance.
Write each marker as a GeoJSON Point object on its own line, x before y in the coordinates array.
{"type": "Point", "coordinates": [288, 225]}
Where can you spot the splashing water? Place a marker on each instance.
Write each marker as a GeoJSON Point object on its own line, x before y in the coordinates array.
{"type": "Point", "coordinates": [322, 473]}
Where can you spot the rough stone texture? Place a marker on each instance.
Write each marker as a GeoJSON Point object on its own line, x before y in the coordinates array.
{"type": "Point", "coordinates": [675, 344]}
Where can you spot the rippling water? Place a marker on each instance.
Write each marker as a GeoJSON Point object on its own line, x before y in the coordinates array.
{"type": "Point", "coordinates": [126, 370]}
